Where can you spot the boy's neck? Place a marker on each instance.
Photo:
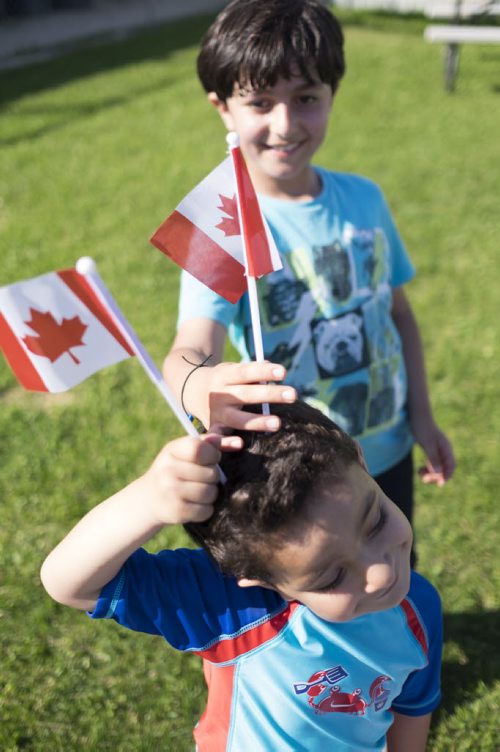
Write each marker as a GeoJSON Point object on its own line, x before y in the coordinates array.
{"type": "Point", "coordinates": [302, 188]}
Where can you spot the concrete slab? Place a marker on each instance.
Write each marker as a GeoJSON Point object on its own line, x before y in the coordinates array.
{"type": "Point", "coordinates": [29, 39]}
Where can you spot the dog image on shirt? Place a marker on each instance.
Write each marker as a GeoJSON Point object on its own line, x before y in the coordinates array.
{"type": "Point", "coordinates": [339, 345]}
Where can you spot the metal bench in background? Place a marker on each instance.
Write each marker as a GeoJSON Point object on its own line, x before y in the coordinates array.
{"type": "Point", "coordinates": [454, 35]}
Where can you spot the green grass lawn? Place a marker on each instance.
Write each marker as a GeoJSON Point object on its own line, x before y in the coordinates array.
{"type": "Point", "coordinates": [97, 147]}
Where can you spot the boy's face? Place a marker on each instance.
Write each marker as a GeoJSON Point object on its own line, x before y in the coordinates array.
{"type": "Point", "coordinates": [280, 129]}
{"type": "Point", "coordinates": [351, 556]}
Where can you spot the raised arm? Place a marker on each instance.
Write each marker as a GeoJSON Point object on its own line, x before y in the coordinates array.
{"type": "Point", "coordinates": [440, 463]}
{"type": "Point", "coordinates": [180, 486]}
{"type": "Point", "coordinates": [215, 393]}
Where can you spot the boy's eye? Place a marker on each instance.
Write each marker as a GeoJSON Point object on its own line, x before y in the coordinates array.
{"type": "Point", "coordinates": [380, 523]}
{"type": "Point", "coordinates": [259, 104]}
{"type": "Point", "coordinates": [332, 585]}
{"type": "Point", "coordinates": [307, 99]}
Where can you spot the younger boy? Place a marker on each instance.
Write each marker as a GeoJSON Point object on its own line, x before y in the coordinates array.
{"type": "Point", "coordinates": [314, 632]}
{"type": "Point", "coordinates": [336, 318]}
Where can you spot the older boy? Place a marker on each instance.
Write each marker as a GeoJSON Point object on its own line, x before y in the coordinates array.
{"type": "Point", "coordinates": [336, 317]}
{"type": "Point", "coordinates": [315, 634]}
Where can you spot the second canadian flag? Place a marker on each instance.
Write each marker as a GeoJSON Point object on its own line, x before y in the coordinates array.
{"type": "Point", "coordinates": [55, 333]}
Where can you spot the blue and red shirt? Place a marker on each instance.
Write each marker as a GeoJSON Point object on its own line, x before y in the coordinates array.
{"type": "Point", "coordinates": [279, 677]}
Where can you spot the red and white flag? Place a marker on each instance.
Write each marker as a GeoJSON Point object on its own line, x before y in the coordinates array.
{"type": "Point", "coordinates": [55, 333]}
{"type": "Point", "coordinates": [204, 237]}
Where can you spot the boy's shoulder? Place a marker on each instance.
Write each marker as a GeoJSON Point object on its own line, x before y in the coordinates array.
{"type": "Point", "coordinates": [423, 592]}
{"type": "Point", "coordinates": [348, 182]}
{"type": "Point", "coordinates": [422, 608]}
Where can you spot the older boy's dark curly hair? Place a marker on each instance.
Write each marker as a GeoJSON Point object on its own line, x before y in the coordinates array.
{"type": "Point", "coordinates": [253, 42]}
{"type": "Point", "coordinates": [270, 483]}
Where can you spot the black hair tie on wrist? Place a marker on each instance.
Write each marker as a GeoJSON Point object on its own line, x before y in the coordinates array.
{"type": "Point", "coordinates": [196, 366]}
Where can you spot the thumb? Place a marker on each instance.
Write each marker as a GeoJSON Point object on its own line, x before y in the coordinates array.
{"type": "Point", "coordinates": [223, 443]}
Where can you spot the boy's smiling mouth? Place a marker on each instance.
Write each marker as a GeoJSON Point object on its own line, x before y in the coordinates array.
{"type": "Point", "coordinates": [288, 147]}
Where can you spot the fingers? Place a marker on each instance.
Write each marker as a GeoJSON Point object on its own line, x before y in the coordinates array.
{"type": "Point", "coordinates": [242, 420]}
{"type": "Point", "coordinates": [184, 480]}
{"type": "Point", "coordinates": [252, 372]}
{"type": "Point", "coordinates": [218, 438]}
{"type": "Point", "coordinates": [190, 449]}
{"type": "Point", "coordinates": [236, 384]}
{"type": "Point", "coordinates": [429, 475]}
{"type": "Point", "coordinates": [440, 468]}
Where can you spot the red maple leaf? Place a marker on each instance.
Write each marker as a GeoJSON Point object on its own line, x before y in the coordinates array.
{"type": "Point", "coordinates": [54, 339]}
{"type": "Point", "coordinates": [231, 225]}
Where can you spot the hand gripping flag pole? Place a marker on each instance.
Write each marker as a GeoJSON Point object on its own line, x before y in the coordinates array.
{"type": "Point", "coordinates": [87, 268]}
{"type": "Point", "coordinates": [218, 235]}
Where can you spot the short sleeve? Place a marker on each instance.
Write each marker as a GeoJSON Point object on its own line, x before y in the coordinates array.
{"type": "Point", "coordinates": [181, 596]}
{"type": "Point", "coordinates": [402, 269]}
{"type": "Point", "coordinates": [196, 300]}
{"type": "Point", "coordinates": [421, 692]}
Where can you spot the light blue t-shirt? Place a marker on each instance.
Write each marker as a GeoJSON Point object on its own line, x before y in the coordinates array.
{"type": "Point", "coordinates": [326, 316]}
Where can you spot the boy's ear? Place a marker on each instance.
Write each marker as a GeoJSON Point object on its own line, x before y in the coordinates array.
{"type": "Point", "coordinates": [245, 582]}
{"type": "Point", "coordinates": [222, 109]}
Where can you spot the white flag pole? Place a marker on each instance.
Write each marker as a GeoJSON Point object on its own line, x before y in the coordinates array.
{"type": "Point", "coordinates": [233, 141]}
{"type": "Point", "coordinates": [87, 268]}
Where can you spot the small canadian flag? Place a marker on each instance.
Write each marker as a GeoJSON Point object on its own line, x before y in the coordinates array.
{"type": "Point", "coordinates": [203, 234]}
{"type": "Point", "coordinates": [55, 333]}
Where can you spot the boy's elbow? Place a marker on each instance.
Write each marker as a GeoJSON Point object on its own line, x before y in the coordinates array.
{"type": "Point", "coordinates": [59, 588]}
{"type": "Point", "coordinates": [51, 582]}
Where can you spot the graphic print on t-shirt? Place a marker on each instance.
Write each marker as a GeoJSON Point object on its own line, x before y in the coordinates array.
{"type": "Point", "coordinates": [325, 693]}
{"type": "Point", "coordinates": [332, 264]}
{"type": "Point", "coordinates": [326, 318]}
{"type": "Point", "coordinates": [340, 345]}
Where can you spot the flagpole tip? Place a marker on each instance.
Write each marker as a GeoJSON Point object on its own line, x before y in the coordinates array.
{"type": "Point", "coordinates": [85, 265]}
{"type": "Point", "coordinates": [232, 140]}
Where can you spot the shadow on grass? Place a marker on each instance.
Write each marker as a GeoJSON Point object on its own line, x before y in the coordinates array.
{"type": "Point", "coordinates": [477, 637]}
{"type": "Point", "coordinates": [62, 114]}
{"type": "Point", "coordinates": [92, 58]}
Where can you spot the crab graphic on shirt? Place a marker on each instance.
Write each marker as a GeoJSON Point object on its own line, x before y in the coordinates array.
{"type": "Point", "coordinates": [337, 700]}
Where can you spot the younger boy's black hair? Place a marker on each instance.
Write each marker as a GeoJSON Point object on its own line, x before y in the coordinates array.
{"type": "Point", "coordinates": [270, 484]}
{"type": "Point", "coordinates": [253, 42]}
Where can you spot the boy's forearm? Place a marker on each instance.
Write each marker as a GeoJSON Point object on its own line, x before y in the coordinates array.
{"type": "Point", "coordinates": [92, 553]}
{"type": "Point", "coordinates": [408, 733]}
{"type": "Point", "coordinates": [418, 394]}
{"type": "Point", "coordinates": [440, 460]}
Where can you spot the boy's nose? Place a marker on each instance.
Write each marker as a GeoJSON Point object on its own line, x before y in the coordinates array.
{"type": "Point", "coordinates": [282, 119]}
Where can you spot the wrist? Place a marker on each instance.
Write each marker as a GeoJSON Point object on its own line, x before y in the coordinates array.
{"type": "Point", "coordinates": [193, 390]}
{"type": "Point", "coordinates": [148, 504]}
{"type": "Point", "coordinates": [421, 417]}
